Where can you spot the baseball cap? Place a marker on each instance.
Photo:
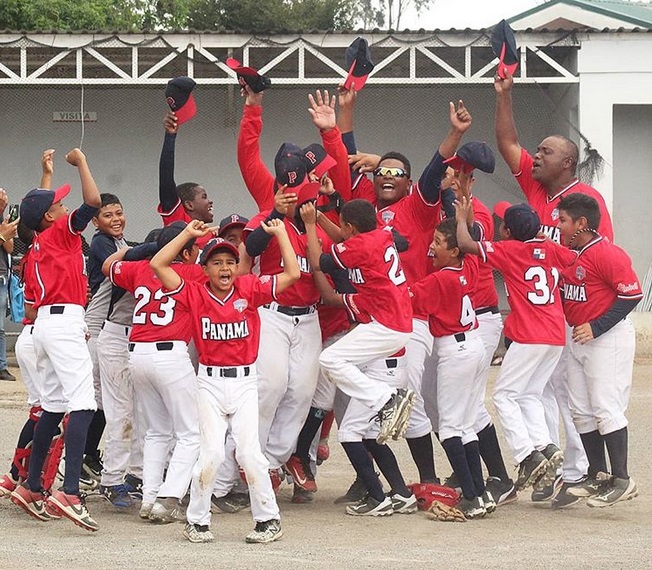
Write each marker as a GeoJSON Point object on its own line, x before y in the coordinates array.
{"type": "Point", "coordinates": [216, 244]}
{"type": "Point", "coordinates": [358, 60]}
{"type": "Point", "coordinates": [249, 75]}
{"type": "Point", "coordinates": [503, 44]}
{"type": "Point", "coordinates": [290, 165]}
{"type": "Point", "coordinates": [521, 220]}
{"type": "Point", "coordinates": [37, 202]}
{"type": "Point", "coordinates": [169, 232]}
{"type": "Point", "coordinates": [230, 221]}
{"type": "Point", "coordinates": [318, 159]}
{"type": "Point", "coordinates": [307, 192]}
{"type": "Point", "coordinates": [472, 155]}
{"type": "Point", "coordinates": [178, 94]}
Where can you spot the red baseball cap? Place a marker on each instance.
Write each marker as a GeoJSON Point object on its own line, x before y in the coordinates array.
{"type": "Point", "coordinates": [178, 94]}
{"type": "Point", "coordinates": [215, 244]}
{"type": "Point", "coordinates": [503, 44]}
{"type": "Point", "coordinates": [249, 75]}
{"type": "Point", "coordinates": [358, 60]}
{"type": "Point", "coordinates": [307, 192]}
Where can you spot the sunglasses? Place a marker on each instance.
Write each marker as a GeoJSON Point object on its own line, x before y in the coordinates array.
{"type": "Point", "coordinates": [391, 171]}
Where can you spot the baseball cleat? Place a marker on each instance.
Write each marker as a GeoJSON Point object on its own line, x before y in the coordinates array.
{"type": "Point", "coordinates": [198, 533]}
{"type": "Point", "coordinates": [73, 507]}
{"type": "Point", "coordinates": [472, 508]}
{"type": "Point", "coordinates": [134, 486]}
{"type": "Point", "coordinates": [564, 499]}
{"type": "Point", "coordinates": [145, 509]}
{"type": "Point", "coordinates": [232, 502]}
{"type": "Point", "coordinates": [167, 510]}
{"type": "Point", "coordinates": [301, 496]}
{"type": "Point", "coordinates": [264, 532]}
{"type": "Point", "coordinates": [404, 505]}
{"type": "Point", "coordinates": [503, 492]}
{"type": "Point", "coordinates": [531, 469]}
{"type": "Point", "coordinates": [92, 466]}
{"type": "Point", "coordinates": [299, 468]}
{"type": "Point", "coordinates": [555, 458]}
{"type": "Point", "coordinates": [591, 486]}
{"type": "Point", "coordinates": [356, 492]}
{"type": "Point", "coordinates": [488, 501]}
{"type": "Point", "coordinates": [7, 485]}
{"type": "Point", "coordinates": [33, 503]}
{"type": "Point", "coordinates": [117, 495]}
{"type": "Point", "coordinates": [395, 414]}
{"type": "Point", "coordinates": [370, 507]}
{"type": "Point", "coordinates": [619, 490]}
{"type": "Point", "coordinates": [541, 494]}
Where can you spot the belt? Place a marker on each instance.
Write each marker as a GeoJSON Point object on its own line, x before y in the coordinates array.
{"type": "Point", "coordinates": [159, 346]}
{"type": "Point", "coordinates": [57, 309]}
{"type": "Point", "coordinates": [226, 372]}
{"type": "Point", "coordinates": [493, 310]}
{"type": "Point", "coordinates": [291, 311]}
{"type": "Point", "coordinates": [460, 337]}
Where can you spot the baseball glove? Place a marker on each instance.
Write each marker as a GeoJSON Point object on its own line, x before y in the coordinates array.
{"type": "Point", "coordinates": [442, 512]}
{"type": "Point", "coordinates": [426, 493]}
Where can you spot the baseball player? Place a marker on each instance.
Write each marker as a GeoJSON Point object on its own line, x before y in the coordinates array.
{"type": "Point", "coordinates": [600, 289]}
{"type": "Point", "coordinates": [63, 361]}
{"type": "Point", "coordinates": [163, 376]}
{"type": "Point", "coordinates": [445, 296]}
{"type": "Point", "coordinates": [231, 228]}
{"type": "Point", "coordinates": [531, 268]}
{"type": "Point", "coordinates": [226, 328]}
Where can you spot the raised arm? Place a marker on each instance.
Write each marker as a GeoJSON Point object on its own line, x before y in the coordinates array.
{"type": "Point", "coordinates": [291, 272]}
{"type": "Point", "coordinates": [464, 240]}
{"type": "Point", "coordinates": [167, 188]}
{"type": "Point", "coordinates": [309, 217]}
{"type": "Point", "coordinates": [506, 134]}
{"type": "Point", "coordinates": [47, 168]}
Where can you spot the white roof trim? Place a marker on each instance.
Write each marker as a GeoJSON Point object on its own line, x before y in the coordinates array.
{"type": "Point", "coordinates": [569, 17]}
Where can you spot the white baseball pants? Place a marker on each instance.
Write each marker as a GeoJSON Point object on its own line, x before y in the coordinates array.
{"type": "Point", "coordinates": [490, 327]}
{"type": "Point", "coordinates": [26, 357]}
{"type": "Point", "coordinates": [417, 350]}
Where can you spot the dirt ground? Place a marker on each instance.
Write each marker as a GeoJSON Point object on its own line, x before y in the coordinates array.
{"type": "Point", "coordinates": [320, 535]}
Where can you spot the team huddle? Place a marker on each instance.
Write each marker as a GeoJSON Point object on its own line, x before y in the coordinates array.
{"type": "Point", "coordinates": [213, 359]}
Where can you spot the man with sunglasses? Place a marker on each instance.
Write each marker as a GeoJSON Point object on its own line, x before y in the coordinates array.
{"type": "Point", "coordinates": [413, 212]}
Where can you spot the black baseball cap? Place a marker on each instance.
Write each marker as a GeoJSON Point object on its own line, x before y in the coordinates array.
{"type": "Point", "coordinates": [318, 159]}
{"type": "Point", "coordinates": [521, 220]}
{"type": "Point", "coordinates": [472, 155]}
{"type": "Point", "coordinates": [178, 94]}
{"type": "Point", "coordinates": [218, 244]}
{"type": "Point", "coordinates": [358, 61]}
{"type": "Point", "coordinates": [169, 232]}
{"type": "Point", "coordinates": [290, 165]}
{"type": "Point", "coordinates": [231, 221]}
{"type": "Point", "coordinates": [503, 44]}
{"type": "Point", "coordinates": [249, 75]}
{"type": "Point", "coordinates": [37, 202]}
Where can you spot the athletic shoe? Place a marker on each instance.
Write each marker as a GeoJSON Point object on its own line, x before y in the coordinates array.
{"type": "Point", "coordinates": [531, 469]}
{"type": "Point", "coordinates": [134, 486]}
{"type": "Point", "coordinates": [92, 466]}
{"type": "Point", "coordinates": [370, 507]}
{"type": "Point", "coordinates": [145, 509]}
{"type": "Point", "coordinates": [73, 507]}
{"type": "Point", "coordinates": [88, 483]}
{"type": "Point", "coordinates": [488, 501]}
{"type": "Point", "coordinates": [452, 482]}
{"type": "Point", "coordinates": [591, 486]}
{"type": "Point", "coordinates": [117, 495]}
{"type": "Point", "coordinates": [301, 496]}
{"type": "Point", "coordinates": [503, 492]}
{"type": "Point", "coordinates": [198, 533]}
{"type": "Point", "coordinates": [232, 502]}
{"type": "Point", "coordinates": [404, 505]}
{"type": "Point", "coordinates": [7, 485]}
{"type": "Point", "coordinates": [323, 451]}
{"type": "Point", "coordinates": [167, 510]}
{"type": "Point", "coordinates": [299, 468]}
{"type": "Point", "coordinates": [563, 498]}
{"type": "Point", "coordinates": [6, 375]}
{"type": "Point", "coordinates": [547, 493]}
{"type": "Point", "coordinates": [33, 503]}
{"type": "Point", "coordinates": [267, 531]}
{"type": "Point", "coordinates": [472, 508]}
{"type": "Point", "coordinates": [276, 476]}
{"type": "Point", "coordinates": [395, 414]}
{"type": "Point", "coordinates": [619, 490]}
{"type": "Point", "coordinates": [357, 491]}
{"type": "Point", "coordinates": [555, 458]}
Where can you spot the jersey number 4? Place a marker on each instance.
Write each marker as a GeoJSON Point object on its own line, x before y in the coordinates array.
{"type": "Point", "coordinates": [544, 293]}
{"type": "Point", "coordinates": [395, 272]}
{"type": "Point", "coordinates": [163, 316]}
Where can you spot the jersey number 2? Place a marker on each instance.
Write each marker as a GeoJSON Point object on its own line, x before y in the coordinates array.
{"type": "Point", "coordinates": [395, 272]}
{"type": "Point", "coordinates": [143, 297]}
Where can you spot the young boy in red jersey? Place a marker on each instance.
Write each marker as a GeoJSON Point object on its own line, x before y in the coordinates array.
{"type": "Point", "coordinates": [600, 290]}
{"type": "Point", "coordinates": [531, 268]}
{"type": "Point", "coordinates": [60, 342]}
{"type": "Point", "coordinates": [226, 330]}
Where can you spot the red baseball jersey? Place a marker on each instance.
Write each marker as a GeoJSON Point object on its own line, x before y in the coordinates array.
{"type": "Point", "coordinates": [601, 274]}
{"type": "Point", "coordinates": [226, 331]}
{"type": "Point", "coordinates": [155, 315]}
{"type": "Point", "coordinates": [546, 207]}
{"type": "Point", "coordinates": [446, 297]}
{"type": "Point", "coordinates": [375, 270]}
{"type": "Point", "coordinates": [179, 214]}
{"type": "Point", "coordinates": [531, 270]}
{"type": "Point", "coordinates": [304, 292]}
{"type": "Point", "coordinates": [29, 281]}
{"type": "Point", "coordinates": [59, 265]}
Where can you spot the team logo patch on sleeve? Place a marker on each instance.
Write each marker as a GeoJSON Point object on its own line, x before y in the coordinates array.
{"type": "Point", "coordinates": [118, 267]}
{"type": "Point", "coordinates": [555, 214]}
{"type": "Point", "coordinates": [580, 272]}
{"type": "Point", "coordinates": [340, 247]}
{"type": "Point", "coordinates": [489, 246]}
{"type": "Point", "coordinates": [539, 253]}
{"type": "Point", "coordinates": [240, 305]}
{"type": "Point", "coordinates": [387, 216]}
{"type": "Point", "coordinates": [462, 280]}
{"type": "Point", "coordinates": [265, 279]}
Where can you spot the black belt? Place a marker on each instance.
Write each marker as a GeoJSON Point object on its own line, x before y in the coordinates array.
{"type": "Point", "coordinates": [391, 362]}
{"type": "Point", "coordinates": [292, 311]}
{"type": "Point", "coordinates": [57, 309]}
{"type": "Point", "coordinates": [460, 337]}
{"type": "Point", "coordinates": [159, 346]}
{"type": "Point", "coordinates": [226, 372]}
{"type": "Point", "coordinates": [493, 310]}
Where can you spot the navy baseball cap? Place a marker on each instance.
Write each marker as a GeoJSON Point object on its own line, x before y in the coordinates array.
{"type": "Point", "coordinates": [358, 60]}
{"type": "Point", "coordinates": [37, 202]}
{"type": "Point", "coordinates": [472, 155]}
{"type": "Point", "coordinates": [231, 221]}
{"type": "Point", "coordinates": [521, 220]}
{"type": "Point", "coordinates": [290, 165]}
{"type": "Point", "coordinates": [318, 159]}
{"type": "Point", "coordinates": [168, 233]}
{"type": "Point", "coordinates": [249, 75]}
{"type": "Point", "coordinates": [178, 94]}
{"type": "Point", "coordinates": [503, 44]}
{"type": "Point", "coordinates": [218, 244]}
